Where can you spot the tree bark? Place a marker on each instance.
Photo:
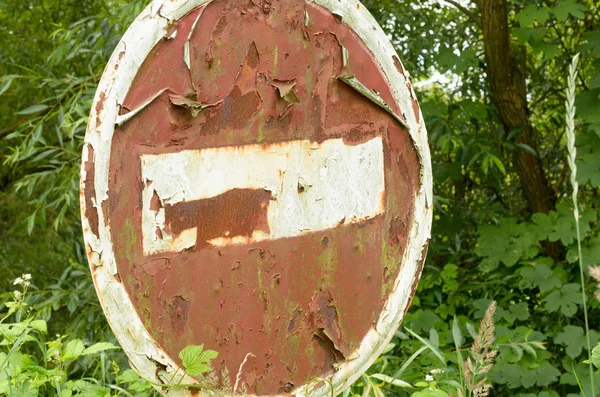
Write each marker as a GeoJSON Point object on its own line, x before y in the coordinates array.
{"type": "Point", "coordinates": [507, 82]}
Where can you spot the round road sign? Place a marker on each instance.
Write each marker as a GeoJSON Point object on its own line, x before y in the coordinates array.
{"type": "Point", "coordinates": [256, 178]}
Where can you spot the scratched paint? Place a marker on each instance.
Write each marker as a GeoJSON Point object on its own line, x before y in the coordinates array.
{"type": "Point", "coordinates": [294, 302]}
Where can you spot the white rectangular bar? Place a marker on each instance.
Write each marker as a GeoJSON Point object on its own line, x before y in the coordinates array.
{"type": "Point", "coordinates": [314, 186]}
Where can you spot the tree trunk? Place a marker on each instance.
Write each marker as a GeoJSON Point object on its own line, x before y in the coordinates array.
{"type": "Point", "coordinates": [507, 82]}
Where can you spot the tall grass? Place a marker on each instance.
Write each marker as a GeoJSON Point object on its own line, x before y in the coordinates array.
{"type": "Point", "coordinates": [571, 158]}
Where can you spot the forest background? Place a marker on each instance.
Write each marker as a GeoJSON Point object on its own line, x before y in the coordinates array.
{"type": "Point", "coordinates": [491, 77]}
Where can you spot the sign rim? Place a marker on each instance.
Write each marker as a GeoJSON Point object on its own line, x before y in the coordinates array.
{"type": "Point", "coordinates": [148, 29]}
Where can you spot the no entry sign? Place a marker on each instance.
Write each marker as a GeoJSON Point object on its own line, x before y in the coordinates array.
{"type": "Point", "coordinates": [256, 178]}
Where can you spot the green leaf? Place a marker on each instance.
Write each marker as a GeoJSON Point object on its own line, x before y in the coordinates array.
{"type": "Point", "coordinates": [588, 166]}
{"type": "Point", "coordinates": [128, 376]}
{"type": "Point", "coordinates": [595, 359]}
{"type": "Point", "coordinates": [590, 249]}
{"type": "Point", "coordinates": [33, 109]}
{"type": "Point", "coordinates": [538, 276]}
{"type": "Point", "coordinates": [566, 299]}
{"type": "Point", "coordinates": [99, 347]}
{"type": "Point", "coordinates": [532, 13]}
{"type": "Point", "coordinates": [195, 360]}
{"type": "Point", "coordinates": [73, 349]}
{"type": "Point", "coordinates": [392, 381]}
{"type": "Point", "coordinates": [568, 7]}
{"type": "Point", "coordinates": [31, 223]}
{"type": "Point", "coordinates": [546, 375]}
{"type": "Point", "coordinates": [40, 325]}
{"type": "Point", "coordinates": [430, 393]}
{"type": "Point", "coordinates": [593, 43]}
{"type": "Point", "coordinates": [459, 340]}
{"type": "Point", "coordinates": [573, 338]}
{"type": "Point", "coordinates": [5, 86]}
{"type": "Point", "coordinates": [429, 344]}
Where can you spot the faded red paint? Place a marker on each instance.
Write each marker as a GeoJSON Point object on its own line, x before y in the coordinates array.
{"type": "Point", "coordinates": [300, 304]}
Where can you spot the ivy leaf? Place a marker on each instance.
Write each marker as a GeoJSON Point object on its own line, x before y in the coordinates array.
{"type": "Point", "coordinates": [566, 299]}
{"type": "Point", "coordinates": [195, 360]}
{"type": "Point", "coordinates": [567, 7]}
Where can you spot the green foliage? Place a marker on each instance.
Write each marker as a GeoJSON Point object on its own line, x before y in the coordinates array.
{"type": "Point", "coordinates": [32, 364]}
{"type": "Point", "coordinates": [196, 360]}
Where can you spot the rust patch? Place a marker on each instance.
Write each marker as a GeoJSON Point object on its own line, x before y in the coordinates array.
{"type": "Point", "coordinates": [417, 276]}
{"type": "Point", "coordinates": [322, 317]}
{"type": "Point", "coordinates": [398, 65]}
{"type": "Point", "coordinates": [156, 265]}
{"type": "Point", "coordinates": [398, 230]}
{"type": "Point", "coordinates": [100, 107]}
{"type": "Point", "coordinates": [91, 213]}
{"type": "Point", "coordinates": [292, 327]}
{"type": "Point", "coordinates": [237, 212]}
{"type": "Point", "coordinates": [179, 308]}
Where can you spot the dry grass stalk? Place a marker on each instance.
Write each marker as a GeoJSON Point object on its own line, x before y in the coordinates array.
{"type": "Point", "coordinates": [483, 357]}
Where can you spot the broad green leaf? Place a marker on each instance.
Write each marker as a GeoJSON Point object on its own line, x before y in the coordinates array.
{"type": "Point", "coordinates": [566, 300]}
{"type": "Point", "coordinates": [588, 152]}
{"type": "Point", "coordinates": [99, 347]}
{"type": "Point", "coordinates": [195, 360]}
{"type": "Point", "coordinates": [590, 250]}
{"type": "Point", "coordinates": [40, 325]}
{"type": "Point", "coordinates": [532, 13]}
{"type": "Point", "coordinates": [546, 375]}
{"type": "Point", "coordinates": [593, 43]}
{"type": "Point", "coordinates": [573, 338]}
{"type": "Point", "coordinates": [73, 349]}
{"type": "Point", "coordinates": [568, 7]}
{"type": "Point", "coordinates": [33, 109]}
{"type": "Point", "coordinates": [538, 276]}
{"type": "Point", "coordinates": [128, 376]}
{"type": "Point", "coordinates": [595, 359]}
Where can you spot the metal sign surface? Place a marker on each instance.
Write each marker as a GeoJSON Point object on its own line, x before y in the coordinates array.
{"type": "Point", "coordinates": [256, 178]}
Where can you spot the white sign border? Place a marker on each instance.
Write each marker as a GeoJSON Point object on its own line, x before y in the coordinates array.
{"type": "Point", "coordinates": [145, 355]}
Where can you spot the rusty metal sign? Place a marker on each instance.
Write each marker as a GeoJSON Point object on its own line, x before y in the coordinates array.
{"type": "Point", "coordinates": [256, 178]}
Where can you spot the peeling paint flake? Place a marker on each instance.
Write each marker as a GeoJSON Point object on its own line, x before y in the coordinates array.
{"type": "Point", "coordinates": [373, 96]}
